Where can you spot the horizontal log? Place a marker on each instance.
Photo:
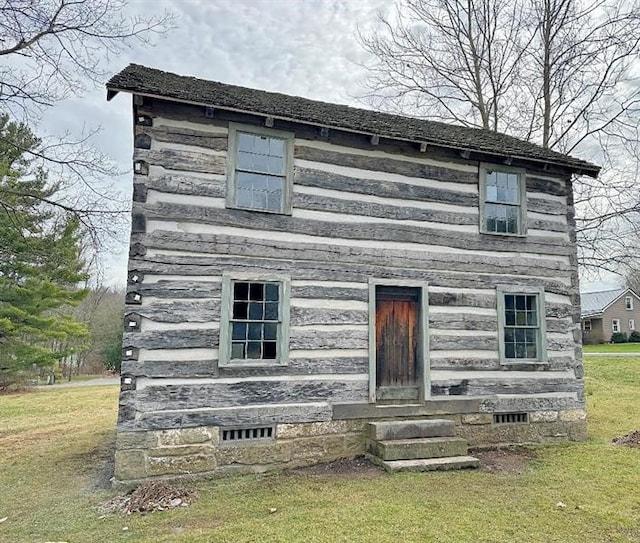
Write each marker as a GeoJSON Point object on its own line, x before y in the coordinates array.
{"type": "Point", "coordinates": [462, 299]}
{"type": "Point", "coordinates": [445, 343]}
{"type": "Point", "coordinates": [299, 339]}
{"type": "Point", "coordinates": [330, 271]}
{"type": "Point", "coordinates": [187, 184]}
{"type": "Point", "coordinates": [329, 293]}
{"type": "Point", "coordinates": [550, 402]}
{"type": "Point", "coordinates": [387, 211]}
{"type": "Point", "coordinates": [385, 164]}
{"type": "Point", "coordinates": [454, 321]}
{"type": "Point", "coordinates": [301, 316]}
{"type": "Point", "coordinates": [263, 415]}
{"type": "Point", "coordinates": [242, 393]}
{"type": "Point", "coordinates": [190, 161]}
{"type": "Point", "coordinates": [188, 136]}
{"type": "Point", "coordinates": [548, 207]}
{"type": "Point", "coordinates": [178, 289]}
{"type": "Point", "coordinates": [486, 387]}
{"type": "Point", "coordinates": [551, 226]}
{"type": "Point", "coordinates": [488, 363]}
{"type": "Point", "coordinates": [209, 368]}
{"type": "Point", "coordinates": [181, 311]}
{"type": "Point", "coordinates": [383, 189]}
{"type": "Point", "coordinates": [399, 258]}
{"type": "Point", "coordinates": [348, 230]}
{"type": "Point", "coordinates": [547, 186]}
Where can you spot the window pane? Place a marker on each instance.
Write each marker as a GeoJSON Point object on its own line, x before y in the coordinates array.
{"type": "Point", "coordinates": [245, 142]}
{"type": "Point", "coordinates": [510, 318]}
{"type": "Point", "coordinates": [240, 310]}
{"type": "Point", "coordinates": [521, 318]}
{"type": "Point", "coordinates": [271, 311]}
{"type": "Point", "coordinates": [254, 349]}
{"type": "Point", "coordinates": [532, 318]}
{"type": "Point", "coordinates": [532, 351]}
{"type": "Point", "coordinates": [510, 301]}
{"type": "Point", "coordinates": [239, 330]}
{"type": "Point", "coordinates": [520, 335]}
{"type": "Point", "coordinates": [240, 291]}
{"type": "Point", "coordinates": [521, 302]}
{"type": "Point", "coordinates": [509, 350]}
{"type": "Point", "coordinates": [259, 191]}
{"type": "Point", "coordinates": [271, 292]}
{"type": "Point", "coordinates": [270, 331]}
{"type": "Point", "coordinates": [255, 330]}
{"type": "Point", "coordinates": [276, 147]}
{"type": "Point", "coordinates": [270, 350]}
{"type": "Point", "coordinates": [237, 350]}
{"type": "Point", "coordinates": [530, 335]}
{"type": "Point", "coordinates": [509, 336]}
{"type": "Point", "coordinates": [256, 292]}
{"type": "Point", "coordinates": [256, 311]}
{"type": "Point", "coordinates": [244, 197]}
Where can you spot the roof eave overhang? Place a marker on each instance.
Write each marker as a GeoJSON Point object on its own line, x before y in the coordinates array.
{"type": "Point", "coordinates": [582, 170]}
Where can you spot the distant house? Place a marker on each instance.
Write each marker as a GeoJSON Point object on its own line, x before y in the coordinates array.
{"type": "Point", "coordinates": [310, 281]}
{"type": "Point", "coordinates": [607, 312]}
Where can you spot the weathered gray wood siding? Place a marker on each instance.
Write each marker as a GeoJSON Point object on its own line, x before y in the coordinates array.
{"type": "Point", "coordinates": [358, 212]}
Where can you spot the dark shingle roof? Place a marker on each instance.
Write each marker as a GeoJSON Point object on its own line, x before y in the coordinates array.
{"type": "Point", "coordinates": [140, 79]}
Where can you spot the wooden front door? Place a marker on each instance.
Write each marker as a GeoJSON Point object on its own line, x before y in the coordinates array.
{"type": "Point", "coordinates": [397, 336]}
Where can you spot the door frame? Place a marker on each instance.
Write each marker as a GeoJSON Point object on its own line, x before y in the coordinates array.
{"type": "Point", "coordinates": [423, 334]}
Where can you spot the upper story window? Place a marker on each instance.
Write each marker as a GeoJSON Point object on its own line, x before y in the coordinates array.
{"type": "Point", "coordinates": [502, 200]}
{"type": "Point", "coordinates": [521, 324]}
{"type": "Point", "coordinates": [628, 302]}
{"type": "Point", "coordinates": [260, 169]}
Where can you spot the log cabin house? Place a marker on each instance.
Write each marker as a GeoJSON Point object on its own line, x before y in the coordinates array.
{"type": "Point", "coordinates": [309, 281]}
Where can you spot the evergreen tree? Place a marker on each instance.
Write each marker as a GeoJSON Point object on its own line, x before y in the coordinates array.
{"type": "Point", "coordinates": [40, 261]}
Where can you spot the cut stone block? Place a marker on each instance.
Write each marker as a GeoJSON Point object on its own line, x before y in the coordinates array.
{"type": "Point", "coordinates": [410, 429]}
{"type": "Point", "coordinates": [429, 464]}
{"type": "Point", "coordinates": [409, 449]}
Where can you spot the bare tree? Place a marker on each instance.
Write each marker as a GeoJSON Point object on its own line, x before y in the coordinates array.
{"type": "Point", "coordinates": [556, 72]}
{"type": "Point", "coordinates": [51, 50]}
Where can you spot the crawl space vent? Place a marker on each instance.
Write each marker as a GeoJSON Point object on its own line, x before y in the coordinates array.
{"type": "Point", "coordinates": [510, 418]}
{"type": "Point", "coordinates": [244, 435]}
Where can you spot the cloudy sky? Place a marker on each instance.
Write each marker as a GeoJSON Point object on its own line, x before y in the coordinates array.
{"type": "Point", "coordinates": [301, 47]}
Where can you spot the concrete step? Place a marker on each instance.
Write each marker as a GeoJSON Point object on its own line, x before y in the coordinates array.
{"type": "Point", "coordinates": [410, 449]}
{"type": "Point", "coordinates": [428, 464]}
{"type": "Point", "coordinates": [410, 429]}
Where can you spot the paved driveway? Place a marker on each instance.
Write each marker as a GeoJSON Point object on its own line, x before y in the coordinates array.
{"type": "Point", "coordinates": [89, 383]}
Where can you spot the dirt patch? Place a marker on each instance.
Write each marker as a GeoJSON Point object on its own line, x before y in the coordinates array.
{"type": "Point", "coordinates": [504, 460]}
{"type": "Point", "coordinates": [149, 497]}
{"type": "Point", "coordinates": [632, 439]}
{"type": "Point", "coordinates": [356, 468]}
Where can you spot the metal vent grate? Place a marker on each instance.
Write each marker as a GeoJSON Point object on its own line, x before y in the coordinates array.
{"type": "Point", "coordinates": [510, 418]}
{"type": "Point", "coordinates": [235, 435]}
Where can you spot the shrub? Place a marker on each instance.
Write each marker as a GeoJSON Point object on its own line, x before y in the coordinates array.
{"type": "Point", "coordinates": [619, 337]}
{"type": "Point", "coordinates": [634, 337]}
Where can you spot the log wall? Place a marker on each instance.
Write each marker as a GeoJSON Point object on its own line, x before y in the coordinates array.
{"type": "Point", "coordinates": [359, 212]}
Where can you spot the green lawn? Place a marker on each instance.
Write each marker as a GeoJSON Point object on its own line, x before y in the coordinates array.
{"type": "Point", "coordinates": [613, 348]}
{"type": "Point", "coordinates": [54, 442]}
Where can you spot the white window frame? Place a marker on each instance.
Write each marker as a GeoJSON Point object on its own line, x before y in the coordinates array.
{"type": "Point", "coordinates": [232, 160]}
{"type": "Point", "coordinates": [628, 303]}
{"type": "Point", "coordinates": [586, 325]}
{"type": "Point", "coordinates": [615, 326]}
{"type": "Point", "coordinates": [226, 312]}
{"type": "Point", "coordinates": [522, 206]}
{"type": "Point", "coordinates": [632, 325]}
{"type": "Point", "coordinates": [541, 337]}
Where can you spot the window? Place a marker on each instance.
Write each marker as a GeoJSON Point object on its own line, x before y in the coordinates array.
{"type": "Point", "coordinates": [502, 200]}
{"type": "Point", "coordinates": [521, 324]}
{"type": "Point", "coordinates": [586, 326]}
{"type": "Point", "coordinates": [615, 325]}
{"type": "Point", "coordinates": [260, 169]}
{"type": "Point", "coordinates": [254, 324]}
{"type": "Point", "coordinates": [628, 302]}
{"type": "Point", "coordinates": [632, 325]}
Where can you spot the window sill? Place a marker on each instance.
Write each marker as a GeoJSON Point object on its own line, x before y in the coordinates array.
{"type": "Point", "coordinates": [252, 364]}
{"type": "Point", "coordinates": [269, 211]}
{"type": "Point", "coordinates": [523, 363]}
{"type": "Point", "coordinates": [503, 234]}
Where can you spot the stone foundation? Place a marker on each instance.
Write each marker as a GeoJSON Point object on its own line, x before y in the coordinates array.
{"type": "Point", "coordinates": [200, 452]}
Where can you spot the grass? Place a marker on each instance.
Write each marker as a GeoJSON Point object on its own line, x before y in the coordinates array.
{"type": "Point", "coordinates": [613, 348]}
{"type": "Point", "coordinates": [54, 442]}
